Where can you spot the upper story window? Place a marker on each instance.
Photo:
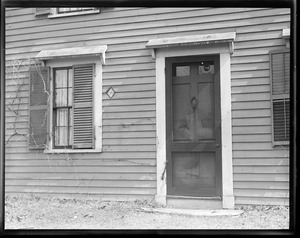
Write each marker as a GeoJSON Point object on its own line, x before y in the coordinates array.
{"type": "Point", "coordinates": [62, 10]}
{"type": "Point", "coordinates": [65, 11]}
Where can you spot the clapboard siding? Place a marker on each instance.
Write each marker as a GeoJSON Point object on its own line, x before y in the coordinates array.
{"type": "Point", "coordinates": [85, 189]}
{"type": "Point", "coordinates": [86, 176]}
{"type": "Point", "coordinates": [188, 15]}
{"type": "Point", "coordinates": [126, 167]}
{"type": "Point", "coordinates": [84, 183]}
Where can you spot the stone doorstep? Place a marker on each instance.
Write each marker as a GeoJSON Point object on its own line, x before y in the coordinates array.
{"type": "Point", "coordinates": [194, 212]}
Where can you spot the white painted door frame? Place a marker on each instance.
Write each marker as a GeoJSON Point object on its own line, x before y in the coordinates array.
{"type": "Point", "coordinates": [223, 50]}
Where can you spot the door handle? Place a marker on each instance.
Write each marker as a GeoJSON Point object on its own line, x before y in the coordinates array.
{"type": "Point", "coordinates": [217, 145]}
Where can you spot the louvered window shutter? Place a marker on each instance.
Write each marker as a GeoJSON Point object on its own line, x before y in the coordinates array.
{"type": "Point", "coordinates": [83, 129]}
{"type": "Point", "coordinates": [280, 73]}
{"type": "Point", "coordinates": [41, 11]}
{"type": "Point", "coordinates": [281, 119]}
{"type": "Point", "coordinates": [38, 107]}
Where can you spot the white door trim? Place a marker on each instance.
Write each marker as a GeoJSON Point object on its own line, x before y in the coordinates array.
{"type": "Point", "coordinates": [226, 134]}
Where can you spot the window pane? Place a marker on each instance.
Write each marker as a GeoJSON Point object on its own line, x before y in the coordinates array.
{"type": "Point", "coordinates": [61, 136]}
{"type": "Point", "coordinates": [61, 77]}
{"type": "Point", "coordinates": [62, 117]}
{"type": "Point", "coordinates": [61, 128]}
{"type": "Point", "coordinates": [70, 97]}
{"type": "Point", "coordinates": [61, 97]}
{"type": "Point", "coordinates": [70, 79]}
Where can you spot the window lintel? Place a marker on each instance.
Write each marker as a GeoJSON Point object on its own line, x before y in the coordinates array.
{"type": "Point", "coordinates": [74, 52]}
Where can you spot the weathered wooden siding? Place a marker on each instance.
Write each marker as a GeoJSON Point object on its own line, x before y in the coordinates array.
{"type": "Point", "coordinates": [126, 168]}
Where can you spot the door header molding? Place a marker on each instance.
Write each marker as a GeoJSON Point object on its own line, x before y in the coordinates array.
{"type": "Point", "coordinates": [192, 40]}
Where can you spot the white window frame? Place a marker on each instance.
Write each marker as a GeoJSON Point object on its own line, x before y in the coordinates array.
{"type": "Point", "coordinates": [97, 102]}
{"type": "Point", "coordinates": [54, 13]}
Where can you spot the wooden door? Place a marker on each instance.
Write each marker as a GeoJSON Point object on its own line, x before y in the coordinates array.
{"type": "Point", "coordinates": [193, 126]}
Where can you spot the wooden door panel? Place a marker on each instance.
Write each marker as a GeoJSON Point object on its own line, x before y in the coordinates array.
{"type": "Point", "coordinates": [180, 110]}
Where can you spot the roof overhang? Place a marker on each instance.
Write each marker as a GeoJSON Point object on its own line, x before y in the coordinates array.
{"type": "Point", "coordinates": [75, 52]}
{"type": "Point", "coordinates": [228, 37]}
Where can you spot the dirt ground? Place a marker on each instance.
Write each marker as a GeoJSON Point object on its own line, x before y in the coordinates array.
{"type": "Point", "coordinates": [45, 212]}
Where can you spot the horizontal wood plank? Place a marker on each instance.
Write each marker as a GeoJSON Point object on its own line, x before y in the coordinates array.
{"type": "Point", "coordinates": [85, 176]}
{"type": "Point", "coordinates": [79, 189]}
{"type": "Point", "coordinates": [94, 183]}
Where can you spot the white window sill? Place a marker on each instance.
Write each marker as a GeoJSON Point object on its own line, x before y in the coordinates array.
{"type": "Point", "coordinates": [57, 15]}
{"type": "Point", "coordinates": [70, 151]}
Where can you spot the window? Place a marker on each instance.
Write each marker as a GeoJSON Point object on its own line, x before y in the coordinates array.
{"type": "Point", "coordinates": [66, 104]}
{"type": "Point", "coordinates": [63, 107]}
{"type": "Point", "coordinates": [61, 10]}
{"type": "Point", "coordinates": [65, 11]}
{"type": "Point", "coordinates": [280, 90]}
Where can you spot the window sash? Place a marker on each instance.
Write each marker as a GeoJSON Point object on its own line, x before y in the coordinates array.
{"type": "Point", "coordinates": [64, 85]}
{"type": "Point", "coordinates": [61, 10]}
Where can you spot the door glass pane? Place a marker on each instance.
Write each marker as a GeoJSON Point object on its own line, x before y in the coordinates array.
{"type": "Point", "coordinates": [193, 170]}
{"type": "Point", "coordinates": [206, 67]}
{"type": "Point", "coordinates": [61, 78]}
{"type": "Point", "coordinates": [182, 71]}
{"type": "Point", "coordinates": [205, 118]}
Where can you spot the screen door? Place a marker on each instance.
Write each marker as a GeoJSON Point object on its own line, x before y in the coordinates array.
{"type": "Point", "coordinates": [193, 126]}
